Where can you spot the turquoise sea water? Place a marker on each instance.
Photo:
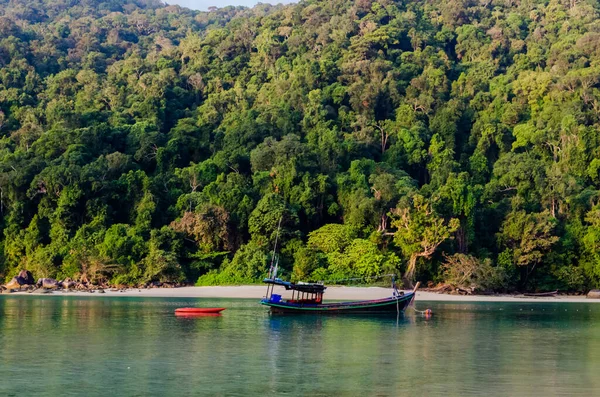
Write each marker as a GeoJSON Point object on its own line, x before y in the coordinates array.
{"type": "Point", "coordinates": [97, 346]}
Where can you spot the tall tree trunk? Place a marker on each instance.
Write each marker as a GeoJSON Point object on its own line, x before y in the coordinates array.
{"type": "Point", "coordinates": [382, 224]}
{"type": "Point", "coordinates": [410, 270]}
{"type": "Point", "coordinates": [461, 239]}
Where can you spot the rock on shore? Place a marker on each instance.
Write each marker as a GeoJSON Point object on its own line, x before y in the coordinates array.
{"type": "Point", "coordinates": [48, 283]}
{"type": "Point", "coordinates": [594, 294]}
{"type": "Point", "coordinates": [23, 279]}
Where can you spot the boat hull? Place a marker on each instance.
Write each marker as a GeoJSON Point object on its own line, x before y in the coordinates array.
{"type": "Point", "coordinates": [199, 310]}
{"type": "Point", "coordinates": [390, 305]}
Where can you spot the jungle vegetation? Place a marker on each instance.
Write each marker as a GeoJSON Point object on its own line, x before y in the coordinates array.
{"type": "Point", "coordinates": [453, 141]}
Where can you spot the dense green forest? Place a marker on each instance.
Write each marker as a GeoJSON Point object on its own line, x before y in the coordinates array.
{"type": "Point", "coordinates": [453, 141]}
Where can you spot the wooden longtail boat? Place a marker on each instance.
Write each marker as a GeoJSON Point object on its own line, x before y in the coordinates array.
{"type": "Point", "coordinates": [308, 298]}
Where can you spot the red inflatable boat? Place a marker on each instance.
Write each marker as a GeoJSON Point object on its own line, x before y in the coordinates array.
{"type": "Point", "coordinates": [199, 310]}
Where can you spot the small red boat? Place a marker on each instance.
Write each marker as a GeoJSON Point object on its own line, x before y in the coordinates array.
{"type": "Point", "coordinates": [198, 310]}
{"type": "Point", "coordinates": [196, 315]}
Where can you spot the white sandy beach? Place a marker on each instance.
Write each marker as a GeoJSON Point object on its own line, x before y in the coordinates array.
{"type": "Point", "coordinates": [332, 293]}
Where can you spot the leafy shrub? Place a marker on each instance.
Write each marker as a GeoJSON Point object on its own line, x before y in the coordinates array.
{"type": "Point", "coordinates": [249, 265]}
{"type": "Point", "coordinates": [470, 273]}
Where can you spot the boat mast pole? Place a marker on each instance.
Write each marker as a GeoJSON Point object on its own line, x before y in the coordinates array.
{"type": "Point", "coordinates": [275, 246]}
{"type": "Point", "coordinates": [272, 273]}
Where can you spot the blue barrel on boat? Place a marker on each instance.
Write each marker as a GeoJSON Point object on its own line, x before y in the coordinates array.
{"type": "Point", "coordinates": [275, 298]}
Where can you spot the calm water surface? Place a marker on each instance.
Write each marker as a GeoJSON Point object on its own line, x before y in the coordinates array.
{"type": "Point", "coordinates": [95, 346]}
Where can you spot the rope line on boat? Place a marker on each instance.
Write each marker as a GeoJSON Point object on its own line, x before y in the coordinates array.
{"type": "Point", "coordinates": [426, 312]}
{"type": "Point", "coordinates": [369, 278]}
{"type": "Point", "coordinates": [366, 279]}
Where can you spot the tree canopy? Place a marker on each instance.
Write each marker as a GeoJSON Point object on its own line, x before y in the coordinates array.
{"type": "Point", "coordinates": [147, 142]}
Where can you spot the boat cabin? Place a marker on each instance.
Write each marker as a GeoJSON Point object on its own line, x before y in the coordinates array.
{"type": "Point", "coordinates": [302, 293]}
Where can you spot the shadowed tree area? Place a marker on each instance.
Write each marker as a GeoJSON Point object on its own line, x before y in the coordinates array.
{"type": "Point", "coordinates": [448, 141]}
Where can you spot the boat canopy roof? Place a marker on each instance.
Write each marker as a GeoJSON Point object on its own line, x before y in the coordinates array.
{"type": "Point", "coordinates": [302, 287]}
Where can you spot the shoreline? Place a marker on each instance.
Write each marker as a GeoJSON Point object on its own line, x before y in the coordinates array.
{"type": "Point", "coordinates": [332, 293]}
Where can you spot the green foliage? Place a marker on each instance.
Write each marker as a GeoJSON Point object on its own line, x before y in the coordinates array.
{"type": "Point", "coordinates": [306, 262]}
{"type": "Point", "coordinates": [339, 258]}
{"type": "Point", "coordinates": [265, 219]}
{"type": "Point", "coordinates": [145, 142]}
{"type": "Point", "coordinates": [208, 227]}
{"type": "Point", "coordinates": [420, 231]}
{"type": "Point", "coordinates": [160, 264]}
{"type": "Point", "coordinates": [362, 258]}
{"type": "Point", "coordinates": [249, 265]}
{"type": "Point", "coordinates": [331, 238]}
{"type": "Point", "coordinates": [591, 243]}
{"type": "Point", "coordinates": [2, 262]}
{"type": "Point", "coordinates": [528, 238]}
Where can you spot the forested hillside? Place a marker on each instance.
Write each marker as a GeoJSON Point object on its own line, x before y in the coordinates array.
{"type": "Point", "coordinates": [451, 141]}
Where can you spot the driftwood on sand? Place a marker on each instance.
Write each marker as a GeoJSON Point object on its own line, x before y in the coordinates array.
{"type": "Point", "coordinates": [451, 289]}
{"type": "Point", "coordinates": [549, 293]}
